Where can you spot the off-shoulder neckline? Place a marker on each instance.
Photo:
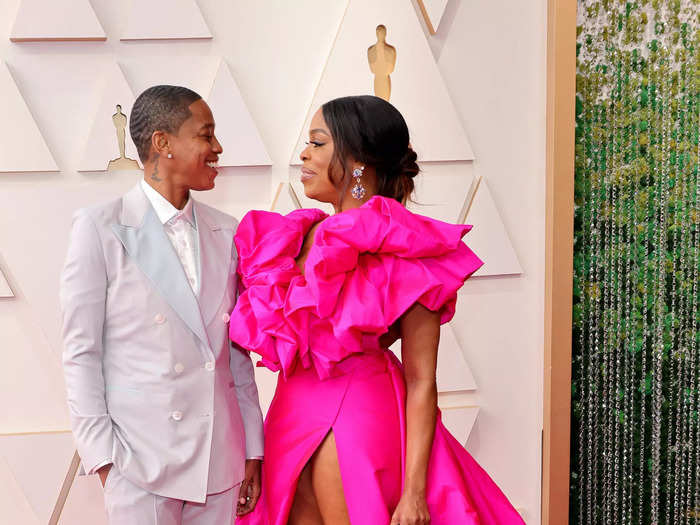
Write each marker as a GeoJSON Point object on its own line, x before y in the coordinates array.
{"type": "Point", "coordinates": [319, 222]}
{"type": "Point", "coordinates": [322, 217]}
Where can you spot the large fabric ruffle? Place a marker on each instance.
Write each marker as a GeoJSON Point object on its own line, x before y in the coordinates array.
{"type": "Point", "coordinates": [367, 266]}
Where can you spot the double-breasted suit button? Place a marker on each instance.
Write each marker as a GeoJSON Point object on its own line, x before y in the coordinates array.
{"type": "Point", "coordinates": [159, 318]}
{"type": "Point", "coordinates": [177, 415]}
{"type": "Point", "coordinates": [209, 366]}
{"type": "Point", "coordinates": [225, 317]}
{"type": "Point", "coordinates": [179, 368]}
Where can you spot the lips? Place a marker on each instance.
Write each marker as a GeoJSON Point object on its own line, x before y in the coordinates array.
{"type": "Point", "coordinates": [306, 174]}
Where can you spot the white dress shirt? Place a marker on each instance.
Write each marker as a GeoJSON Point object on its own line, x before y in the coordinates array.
{"type": "Point", "coordinates": [181, 228]}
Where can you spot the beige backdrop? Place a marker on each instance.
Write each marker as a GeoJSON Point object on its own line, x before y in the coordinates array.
{"type": "Point", "coordinates": [491, 60]}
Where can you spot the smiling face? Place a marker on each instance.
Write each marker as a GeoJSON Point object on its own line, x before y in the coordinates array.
{"type": "Point", "coordinates": [318, 162]}
{"type": "Point", "coordinates": [195, 150]}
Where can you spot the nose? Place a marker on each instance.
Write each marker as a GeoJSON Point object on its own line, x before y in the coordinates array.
{"type": "Point", "coordinates": [304, 155]}
{"type": "Point", "coordinates": [216, 146]}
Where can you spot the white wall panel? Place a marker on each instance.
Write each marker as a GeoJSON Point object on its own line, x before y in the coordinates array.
{"type": "Point", "coordinates": [417, 88]}
{"type": "Point", "coordinates": [460, 421]}
{"type": "Point", "coordinates": [164, 19]}
{"type": "Point", "coordinates": [39, 463]}
{"type": "Point", "coordinates": [39, 20]}
{"type": "Point", "coordinates": [285, 199]}
{"type": "Point", "coordinates": [433, 10]}
{"type": "Point", "coordinates": [13, 502]}
{"type": "Point", "coordinates": [211, 78]}
{"type": "Point", "coordinates": [488, 237]}
{"type": "Point", "coordinates": [5, 290]}
{"type": "Point", "coordinates": [102, 145]}
{"type": "Point", "coordinates": [22, 147]}
{"type": "Point", "coordinates": [30, 381]}
{"type": "Point", "coordinates": [234, 124]}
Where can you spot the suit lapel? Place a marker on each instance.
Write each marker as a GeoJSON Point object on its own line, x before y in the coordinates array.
{"type": "Point", "coordinates": [146, 242]}
{"type": "Point", "coordinates": [214, 261]}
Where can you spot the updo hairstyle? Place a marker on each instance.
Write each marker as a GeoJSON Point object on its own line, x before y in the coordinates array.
{"type": "Point", "coordinates": [371, 131]}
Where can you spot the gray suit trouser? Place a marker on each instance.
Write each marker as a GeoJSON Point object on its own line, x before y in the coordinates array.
{"type": "Point", "coordinates": [128, 504]}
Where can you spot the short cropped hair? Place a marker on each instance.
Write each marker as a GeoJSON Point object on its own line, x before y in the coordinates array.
{"type": "Point", "coordinates": [159, 108]}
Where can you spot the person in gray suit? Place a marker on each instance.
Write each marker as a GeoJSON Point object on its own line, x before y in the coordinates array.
{"type": "Point", "coordinates": [162, 406]}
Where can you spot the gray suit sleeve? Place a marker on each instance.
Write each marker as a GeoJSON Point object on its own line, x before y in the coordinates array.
{"type": "Point", "coordinates": [248, 401]}
{"type": "Point", "coordinates": [83, 292]}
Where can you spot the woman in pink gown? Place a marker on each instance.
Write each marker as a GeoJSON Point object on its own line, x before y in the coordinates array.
{"type": "Point", "coordinates": [352, 435]}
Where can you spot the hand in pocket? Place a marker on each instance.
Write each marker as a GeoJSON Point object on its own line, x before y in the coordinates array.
{"type": "Point", "coordinates": [103, 472]}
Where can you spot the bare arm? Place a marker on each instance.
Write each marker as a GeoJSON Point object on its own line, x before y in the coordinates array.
{"type": "Point", "coordinates": [420, 334]}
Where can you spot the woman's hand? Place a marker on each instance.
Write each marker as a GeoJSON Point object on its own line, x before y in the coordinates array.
{"type": "Point", "coordinates": [411, 510]}
{"type": "Point", "coordinates": [250, 488]}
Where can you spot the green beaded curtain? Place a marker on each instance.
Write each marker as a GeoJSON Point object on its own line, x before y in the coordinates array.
{"type": "Point", "coordinates": [635, 443]}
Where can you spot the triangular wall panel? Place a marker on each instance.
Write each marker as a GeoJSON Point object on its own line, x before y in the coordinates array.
{"type": "Point", "coordinates": [15, 507]}
{"type": "Point", "coordinates": [460, 421]}
{"type": "Point", "coordinates": [164, 19]}
{"type": "Point", "coordinates": [211, 78]}
{"type": "Point", "coordinates": [417, 88]}
{"type": "Point", "coordinates": [43, 407]}
{"type": "Point", "coordinates": [488, 238]}
{"type": "Point", "coordinates": [432, 12]}
{"type": "Point", "coordinates": [235, 127]}
{"type": "Point", "coordinates": [453, 373]}
{"type": "Point", "coordinates": [22, 147]}
{"type": "Point", "coordinates": [101, 145]}
{"type": "Point", "coordinates": [30, 454]}
{"type": "Point", "coordinates": [5, 290]}
{"type": "Point", "coordinates": [440, 189]}
{"type": "Point", "coordinates": [285, 200]}
{"type": "Point", "coordinates": [56, 20]}
{"type": "Point", "coordinates": [196, 72]}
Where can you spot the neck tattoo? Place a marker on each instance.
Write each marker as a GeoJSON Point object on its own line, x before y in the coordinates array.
{"type": "Point", "coordinates": [154, 175]}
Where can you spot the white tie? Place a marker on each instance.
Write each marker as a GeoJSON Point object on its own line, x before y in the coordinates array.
{"type": "Point", "coordinates": [182, 237]}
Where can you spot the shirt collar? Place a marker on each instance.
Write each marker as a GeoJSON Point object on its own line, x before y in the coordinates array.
{"type": "Point", "coordinates": [164, 209]}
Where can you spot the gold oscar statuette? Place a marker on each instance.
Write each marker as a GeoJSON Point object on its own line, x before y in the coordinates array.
{"type": "Point", "coordinates": [122, 162]}
{"type": "Point", "coordinates": [382, 60]}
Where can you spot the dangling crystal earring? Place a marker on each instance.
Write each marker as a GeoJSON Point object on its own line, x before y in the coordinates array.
{"type": "Point", "coordinates": [358, 190]}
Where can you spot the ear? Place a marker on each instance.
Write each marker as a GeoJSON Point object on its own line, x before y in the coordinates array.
{"type": "Point", "coordinates": [160, 144]}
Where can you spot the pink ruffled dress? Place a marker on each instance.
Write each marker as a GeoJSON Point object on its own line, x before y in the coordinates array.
{"type": "Point", "coordinates": [320, 329]}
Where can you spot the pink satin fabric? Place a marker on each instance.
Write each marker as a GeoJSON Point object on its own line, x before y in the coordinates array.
{"type": "Point", "coordinates": [320, 329]}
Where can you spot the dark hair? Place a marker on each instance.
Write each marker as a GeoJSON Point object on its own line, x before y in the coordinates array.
{"type": "Point", "coordinates": [159, 108]}
{"type": "Point", "coordinates": [373, 132]}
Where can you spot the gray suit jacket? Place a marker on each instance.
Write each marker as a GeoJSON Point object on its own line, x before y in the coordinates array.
{"type": "Point", "coordinates": [153, 382]}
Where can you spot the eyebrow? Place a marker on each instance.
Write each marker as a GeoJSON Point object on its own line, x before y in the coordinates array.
{"type": "Point", "coordinates": [319, 130]}
{"type": "Point", "coordinates": [209, 125]}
